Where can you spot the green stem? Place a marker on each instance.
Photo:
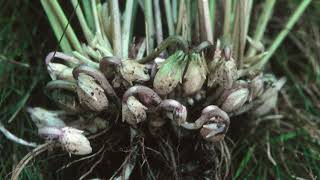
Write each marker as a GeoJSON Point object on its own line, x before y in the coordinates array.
{"type": "Point", "coordinates": [88, 14]}
{"type": "Point", "coordinates": [226, 21]}
{"type": "Point", "coordinates": [277, 42]}
{"type": "Point", "coordinates": [262, 24]}
{"type": "Point", "coordinates": [116, 32]}
{"type": "Point", "coordinates": [206, 20]}
{"type": "Point", "coordinates": [202, 46]}
{"type": "Point", "coordinates": [141, 50]}
{"type": "Point", "coordinates": [188, 24]}
{"type": "Point", "coordinates": [244, 18]}
{"type": "Point", "coordinates": [83, 24]}
{"type": "Point", "coordinates": [175, 11]}
{"type": "Point", "coordinates": [101, 39]}
{"type": "Point", "coordinates": [96, 19]}
{"type": "Point", "coordinates": [183, 44]}
{"type": "Point", "coordinates": [61, 84]}
{"type": "Point", "coordinates": [169, 16]}
{"type": "Point", "coordinates": [212, 9]}
{"type": "Point", "coordinates": [85, 60]}
{"type": "Point", "coordinates": [56, 27]}
{"type": "Point", "coordinates": [65, 23]}
{"type": "Point", "coordinates": [127, 26]}
{"type": "Point", "coordinates": [158, 23]}
{"type": "Point", "coordinates": [149, 25]}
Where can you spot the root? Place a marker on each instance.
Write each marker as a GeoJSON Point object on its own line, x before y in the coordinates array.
{"type": "Point", "coordinates": [81, 159]}
{"type": "Point", "coordinates": [35, 152]}
{"type": "Point", "coordinates": [14, 138]}
{"type": "Point", "coordinates": [93, 166]}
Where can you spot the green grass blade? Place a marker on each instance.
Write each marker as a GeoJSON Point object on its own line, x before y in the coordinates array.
{"type": "Point", "coordinates": [262, 24]}
{"type": "Point", "coordinates": [149, 25]}
{"type": "Point", "coordinates": [169, 16]}
{"type": "Point", "coordinates": [56, 27]}
{"type": "Point", "coordinates": [65, 24]}
{"type": "Point", "coordinates": [131, 5]}
{"type": "Point", "coordinates": [88, 14]}
{"type": "Point", "coordinates": [116, 32]}
{"type": "Point", "coordinates": [83, 24]}
{"type": "Point", "coordinates": [284, 32]}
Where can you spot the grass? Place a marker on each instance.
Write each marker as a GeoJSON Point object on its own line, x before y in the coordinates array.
{"type": "Point", "coordinates": [288, 148]}
{"type": "Point", "coordinates": [281, 147]}
{"type": "Point", "coordinates": [21, 74]}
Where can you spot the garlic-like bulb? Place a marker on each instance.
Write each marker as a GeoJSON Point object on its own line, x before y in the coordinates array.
{"type": "Point", "coordinates": [133, 71]}
{"type": "Point", "coordinates": [74, 141]}
{"type": "Point", "coordinates": [71, 139]}
{"type": "Point", "coordinates": [133, 111]}
{"type": "Point", "coordinates": [195, 75]}
{"type": "Point", "coordinates": [91, 94]}
{"type": "Point", "coordinates": [269, 97]}
{"type": "Point", "coordinates": [170, 73]}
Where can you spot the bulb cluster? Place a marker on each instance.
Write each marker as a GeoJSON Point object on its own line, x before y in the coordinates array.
{"type": "Point", "coordinates": [153, 91]}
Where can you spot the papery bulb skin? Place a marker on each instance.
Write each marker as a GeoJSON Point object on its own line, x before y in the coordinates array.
{"type": "Point", "coordinates": [269, 97]}
{"type": "Point", "coordinates": [227, 73]}
{"type": "Point", "coordinates": [137, 109]}
{"type": "Point", "coordinates": [170, 73]}
{"type": "Point", "coordinates": [67, 101]}
{"type": "Point", "coordinates": [133, 71]}
{"type": "Point", "coordinates": [74, 141]}
{"type": "Point", "coordinates": [256, 86]}
{"type": "Point", "coordinates": [91, 94]}
{"type": "Point", "coordinates": [195, 75]}
{"type": "Point", "coordinates": [213, 68]}
{"type": "Point", "coordinates": [235, 100]}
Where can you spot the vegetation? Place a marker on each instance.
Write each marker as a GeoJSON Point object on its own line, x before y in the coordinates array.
{"type": "Point", "coordinates": [283, 144]}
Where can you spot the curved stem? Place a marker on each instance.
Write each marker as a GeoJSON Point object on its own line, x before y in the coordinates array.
{"type": "Point", "coordinates": [202, 46]}
{"type": "Point", "coordinates": [179, 111]}
{"type": "Point", "coordinates": [99, 77]}
{"type": "Point", "coordinates": [210, 112]}
{"type": "Point", "coordinates": [14, 138]}
{"type": "Point", "coordinates": [110, 60]}
{"type": "Point", "coordinates": [50, 132]}
{"type": "Point", "coordinates": [60, 55]}
{"type": "Point", "coordinates": [146, 94]}
{"type": "Point", "coordinates": [61, 84]}
{"type": "Point", "coordinates": [183, 44]}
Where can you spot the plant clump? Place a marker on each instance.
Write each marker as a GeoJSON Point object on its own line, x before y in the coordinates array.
{"type": "Point", "coordinates": [175, 99]}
